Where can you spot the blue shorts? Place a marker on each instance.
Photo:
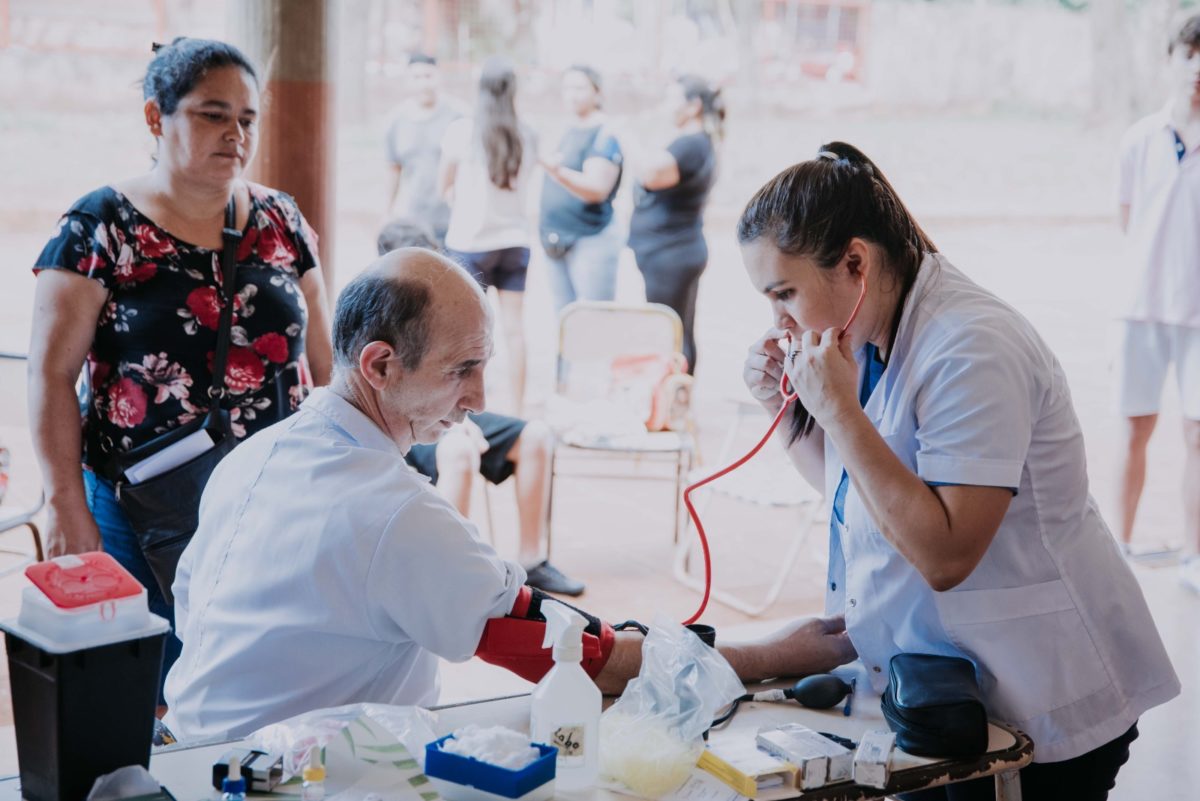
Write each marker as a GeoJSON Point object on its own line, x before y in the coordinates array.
{"type": "Point", "coordinates": [504, 269]}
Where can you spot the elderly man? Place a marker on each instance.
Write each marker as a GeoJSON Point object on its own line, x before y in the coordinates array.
{"type": "Point", "coordinates": [327, 572]}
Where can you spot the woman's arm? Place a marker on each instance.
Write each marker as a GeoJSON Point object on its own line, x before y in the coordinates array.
{"type": "Point", "coordinates": [592, 184]}
{"type": "Point", "coordinates": [447, 173]}
{"type": "Point", "coordinates": [658, 170]}
{"type": "Point", "coordinates": [942, 531]}
{"type": "Point", "coordinates": [318, 344]}
{"type": "Point", "coordinates": [66, 308]}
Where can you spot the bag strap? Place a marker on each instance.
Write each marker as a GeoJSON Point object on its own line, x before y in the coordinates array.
{"type": "Point", "coordinates": [231, 237]}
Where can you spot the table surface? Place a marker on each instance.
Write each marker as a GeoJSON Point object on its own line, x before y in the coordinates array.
{"type": "Point", "coordinates": [186, 771]}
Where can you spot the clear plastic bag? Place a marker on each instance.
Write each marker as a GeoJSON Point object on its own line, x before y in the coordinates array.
{"type": "Point", "coordinates": [378, 727]}
{"type": "Point", "coordinates": [651, 737]}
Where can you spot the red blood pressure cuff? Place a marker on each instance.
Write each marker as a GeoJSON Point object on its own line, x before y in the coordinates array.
{"type": "Point", "coordinates": [514, 642]}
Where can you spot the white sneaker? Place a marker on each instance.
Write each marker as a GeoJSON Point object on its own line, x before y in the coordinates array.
{"type": "Point", "coordinates": [1189, 573]}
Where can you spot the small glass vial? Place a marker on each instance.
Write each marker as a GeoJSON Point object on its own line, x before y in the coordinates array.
{"type": "Point", "coordinates": [233, 786]}
{"type": "Point", "coordinates": [313, 787]}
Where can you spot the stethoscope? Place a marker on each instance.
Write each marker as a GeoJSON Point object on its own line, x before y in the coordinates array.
{"type": "Point", "coordinates": [788, 397]}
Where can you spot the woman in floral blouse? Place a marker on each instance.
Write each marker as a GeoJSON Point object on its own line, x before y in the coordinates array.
{"type": "Point", "coordinates": [131, 283]}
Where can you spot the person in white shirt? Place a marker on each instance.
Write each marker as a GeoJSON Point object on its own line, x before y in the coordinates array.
{"type": "Point", "coordinates": [487, 162]}
{"type": "Point", "coordinates": [1159, 197]}
{"type": "Point", "coordinates": [941, 429]}
{"type": "Point", "coordinates": [325, 571]}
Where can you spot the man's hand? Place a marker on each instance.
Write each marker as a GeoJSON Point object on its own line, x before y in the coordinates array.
{"type": "Point", "coordinates": [804, 646]}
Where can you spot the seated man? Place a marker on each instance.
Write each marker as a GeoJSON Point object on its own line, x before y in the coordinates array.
{"type": "Point", "coordinates": [326, 572]}
{"type": "Point", "coordinates": [495, 446]}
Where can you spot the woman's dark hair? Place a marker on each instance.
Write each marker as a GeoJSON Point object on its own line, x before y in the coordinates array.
{"type": "Point", "coordinates": [496, 121]}
{"type": "Point", "coordinates": [1187, 34]}
{"type": "Point", "coordinates": [177, 67]}
{"type": "Point", "coordinates": [712, 105]}
{"type": "Point", "coordinates": [814, 208]}
{"type": "Point", "coordinates": [592, 75]}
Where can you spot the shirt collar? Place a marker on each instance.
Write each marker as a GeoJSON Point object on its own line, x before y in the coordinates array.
{"type": "Point", "coordinates": [346, 416]}
{"type": "Point", "coordinates": [927, 273]}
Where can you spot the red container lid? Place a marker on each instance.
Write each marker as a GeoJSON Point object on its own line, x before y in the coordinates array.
{"type": "Point", "coordinates": [82, 579]}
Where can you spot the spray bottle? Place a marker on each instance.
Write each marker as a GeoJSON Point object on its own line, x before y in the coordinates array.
{"type": "Point", "coordinates": [566, 702]}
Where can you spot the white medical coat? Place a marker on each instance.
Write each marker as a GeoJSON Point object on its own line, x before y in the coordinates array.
{"type": "Point", "coordinates": [1052, 616]}
{"type": "Point", "coordinates": [325, 572]}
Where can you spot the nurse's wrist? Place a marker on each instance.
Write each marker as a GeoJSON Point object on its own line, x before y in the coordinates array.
{"type": "Point", "coordinates": [844, 420]}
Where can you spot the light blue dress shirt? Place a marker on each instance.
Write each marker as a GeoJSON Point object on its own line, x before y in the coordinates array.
{"type": "Point", "coordinates": [1052, 616]}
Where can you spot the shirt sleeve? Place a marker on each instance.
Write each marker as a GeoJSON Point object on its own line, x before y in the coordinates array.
{"type": "Point", "coordinates": [87, 245]}
{"type": "Point", "coordinates": [975, 410]}
{"type": "Point", "coordinates": [435, 583]}
{"type": "Point", "coordinates": [302, 234]}
{"type": "Point", "coordinates": [607, 147]}
{"type": "Point", "coordinates": [689, 154]}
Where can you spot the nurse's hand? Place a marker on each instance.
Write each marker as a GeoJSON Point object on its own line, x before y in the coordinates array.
{"type": "Point", "coordinates": [764, 368]}
{"type": "Point", "coordinates": [824, 375]}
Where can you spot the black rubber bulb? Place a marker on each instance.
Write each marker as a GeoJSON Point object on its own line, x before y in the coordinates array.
{"type": "Point", "coordinates": [821, 691]}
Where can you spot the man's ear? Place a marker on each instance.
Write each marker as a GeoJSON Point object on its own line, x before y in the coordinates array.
{"type": "Point", "coordinates": [378, 364]}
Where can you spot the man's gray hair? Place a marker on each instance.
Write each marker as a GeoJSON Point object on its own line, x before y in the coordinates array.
{"type": "Point", "coordinates": [375, 307]}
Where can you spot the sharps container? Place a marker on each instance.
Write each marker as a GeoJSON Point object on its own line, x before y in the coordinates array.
{"type": "Point", "coordinates": [84, 657]}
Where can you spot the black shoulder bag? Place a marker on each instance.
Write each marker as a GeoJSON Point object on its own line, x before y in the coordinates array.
{"type": "Point", "coordinates": [164, 510]}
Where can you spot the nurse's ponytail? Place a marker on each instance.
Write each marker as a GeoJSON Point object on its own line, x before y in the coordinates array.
{"type": "Point", "coordinates": [814, 208]}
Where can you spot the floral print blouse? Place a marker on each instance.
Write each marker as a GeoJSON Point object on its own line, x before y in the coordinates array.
{"type": "Point", "coordinates": [151, 359]}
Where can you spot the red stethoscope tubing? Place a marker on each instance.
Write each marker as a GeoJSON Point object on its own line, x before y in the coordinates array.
{"type": "Point", "coordinates": [788, 397]}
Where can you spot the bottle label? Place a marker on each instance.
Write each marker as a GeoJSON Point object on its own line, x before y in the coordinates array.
{"type": "Point", "coordinates": [570, 742]}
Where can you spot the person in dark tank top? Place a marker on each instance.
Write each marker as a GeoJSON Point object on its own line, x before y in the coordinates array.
{"type": "Point", "coordinates": [672, 186]}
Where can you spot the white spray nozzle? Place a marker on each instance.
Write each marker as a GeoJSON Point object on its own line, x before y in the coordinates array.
{"type": "Point", "coordinates": [235, 769]}
{"type": "Point", "coordinates": [564, 630]}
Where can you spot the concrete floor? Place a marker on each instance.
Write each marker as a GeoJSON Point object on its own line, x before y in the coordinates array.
{"type": "Point", "coordinates": [1030, 221]}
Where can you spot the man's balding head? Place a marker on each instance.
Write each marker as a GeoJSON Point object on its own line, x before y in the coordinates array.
{"type": "Point", "coordinates": [403, 298]}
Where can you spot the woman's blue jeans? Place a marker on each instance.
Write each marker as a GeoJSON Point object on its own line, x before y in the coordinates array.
{"type": "Point", "coordinates": [119, 541]}
{"type": "Point", "coordinates": [588, 271]}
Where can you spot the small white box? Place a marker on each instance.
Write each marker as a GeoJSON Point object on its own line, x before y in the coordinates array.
{"type": "Point", "coordinates": [821, 760]}
{"type": "Point", "coordinates": [872, 760]}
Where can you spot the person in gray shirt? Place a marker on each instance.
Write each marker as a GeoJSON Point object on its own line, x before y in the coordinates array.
{"type": "Point", "coordinates": [414, 147]}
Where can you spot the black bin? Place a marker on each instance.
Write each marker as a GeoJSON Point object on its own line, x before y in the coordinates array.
{"type": "Point", "coordinates": [81, 714]}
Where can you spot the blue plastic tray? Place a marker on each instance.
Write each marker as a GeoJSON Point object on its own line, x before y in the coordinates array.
{"type": "Point", "coordinates": [487, 777]}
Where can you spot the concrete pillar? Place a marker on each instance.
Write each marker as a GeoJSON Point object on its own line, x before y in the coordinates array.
{"type": "Point", "coordinates": [293, 43]}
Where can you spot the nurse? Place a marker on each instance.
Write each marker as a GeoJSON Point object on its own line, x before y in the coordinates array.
{"type": "Point", "coordinates": [940, 427]}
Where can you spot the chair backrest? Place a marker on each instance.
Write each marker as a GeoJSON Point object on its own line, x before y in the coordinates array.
{"type": "Point", "coordinates": [591, 334]}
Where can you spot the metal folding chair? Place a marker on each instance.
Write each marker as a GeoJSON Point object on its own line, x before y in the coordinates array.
{"type": "Point", "coordinates": [591, 335]}
{"type": "Point", "coordinates": [10, 520]}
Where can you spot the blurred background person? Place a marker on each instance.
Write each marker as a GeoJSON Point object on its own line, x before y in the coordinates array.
{"type": "Point", "coordinates": [1159, 197]}
{"type": "Point", "coordinates": [487, 162]}
{"type": "Point", "coordinates": [414, 148]}
{"type": "Point", "coordinates": [579, 234]}
{"type": "Point", "coordinates": [131, 283]}
{"type": "Point", "coordinates": [494, 446]}
{"type": "Point", "coordinates": [666, 231]}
